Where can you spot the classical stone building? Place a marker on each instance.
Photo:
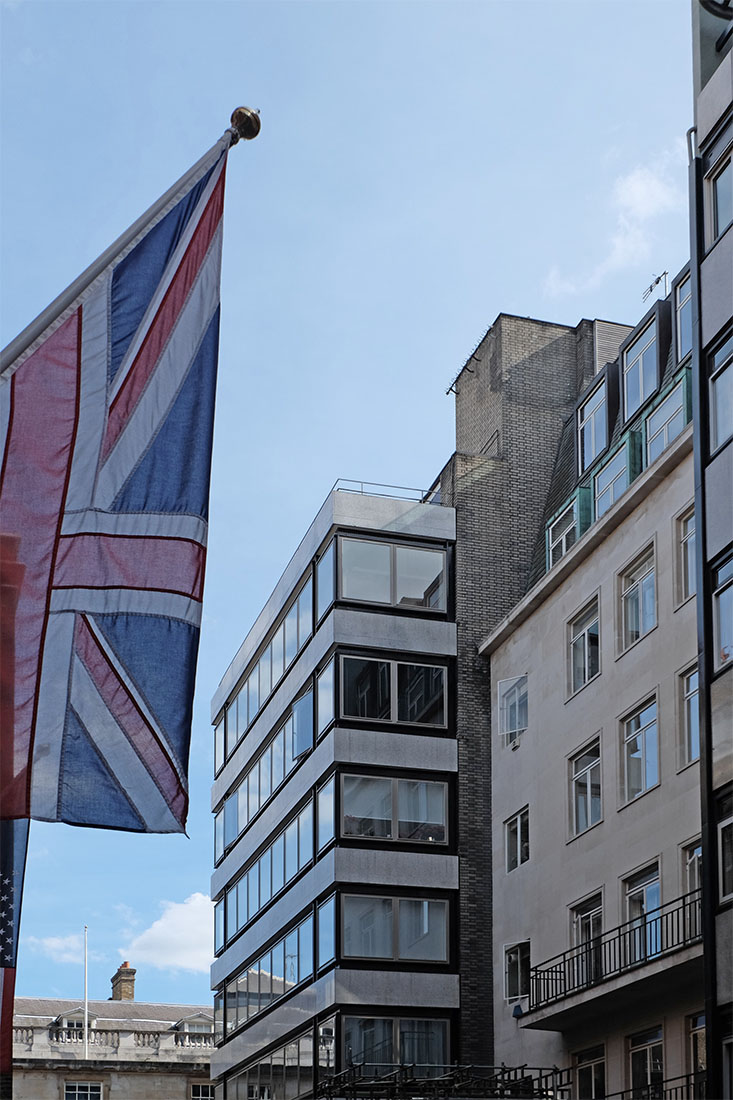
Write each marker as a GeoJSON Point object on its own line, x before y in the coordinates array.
{"type": "Point", "coordinates": [133, 1051]}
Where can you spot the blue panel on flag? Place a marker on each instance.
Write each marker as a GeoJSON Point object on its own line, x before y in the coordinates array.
{"type": "Point", "coordinates": [174, 474]}
{"type": "Point", "coordinates": [137, 276]}
{"type": "Point", "coordinates": [88, 791]}
{"type": "Point", "coordinates": [159, 655]}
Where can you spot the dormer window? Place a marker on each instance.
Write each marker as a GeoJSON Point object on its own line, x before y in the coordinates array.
{"type": "Point", "coordinates": [640, 370]}
{"type": "Point", "coordinates": [561, 535]}
{"type": "Point", "coordinates": [592, 427]}
{"type": "Point", "coordinates": [684, 319]}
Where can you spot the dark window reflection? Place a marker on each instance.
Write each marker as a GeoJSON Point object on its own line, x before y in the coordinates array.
{"type": "Point", "coordinates": [421, 694]}
{"type": "Point", "coordinates": [366, 690]}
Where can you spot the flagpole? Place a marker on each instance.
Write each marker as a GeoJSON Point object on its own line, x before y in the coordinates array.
{"type": "Point", "coordinates": [245, 125]}
{"type": "Point", "coordinates": [86, 1000]}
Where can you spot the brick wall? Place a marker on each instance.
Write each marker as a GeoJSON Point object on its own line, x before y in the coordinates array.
{"type": "Point", "coordinates": [512, 400]}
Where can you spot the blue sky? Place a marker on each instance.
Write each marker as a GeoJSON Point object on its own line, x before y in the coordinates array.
{"type": "Point", "coordinates": [423, 165]}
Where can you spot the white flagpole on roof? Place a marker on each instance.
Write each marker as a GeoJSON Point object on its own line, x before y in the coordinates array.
{"type": "Point", "coordinates": [86, 1001]}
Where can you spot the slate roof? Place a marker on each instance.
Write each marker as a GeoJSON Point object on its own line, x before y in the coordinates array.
{"type": "Point", "coordinates": [137, 1015]}
{"type": "Point", "coordinates": [564, 477]}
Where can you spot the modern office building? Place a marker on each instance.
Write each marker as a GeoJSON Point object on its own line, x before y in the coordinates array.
{"type": "Point", "coordinates": [711, 246]}
{"type": "Point", "coordinates": [335, 798]}
{"type": "Point", "coordinates": [597, 952]}
{"type": "Point", "coordinates": [134, 1050]}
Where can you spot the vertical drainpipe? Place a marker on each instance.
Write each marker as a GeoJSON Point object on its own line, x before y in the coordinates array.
{"type": "Point", "coordinates": [701, 420]}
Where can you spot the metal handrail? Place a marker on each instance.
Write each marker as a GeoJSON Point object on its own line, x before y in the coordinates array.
{"type": "Point", "coordinates": [691, 1086]}
{"type": "Point", "coordinates": [407, 1081]}
{"type": "Point", "coordinates": [659, 932]}
{"type": "Point", "coordinates": [374, 489]}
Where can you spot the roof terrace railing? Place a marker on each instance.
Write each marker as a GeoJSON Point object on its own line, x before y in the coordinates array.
{"type": "Point", "coordinates": [394, 492]}
{"type": "Point", "coordinates": [657, 933]}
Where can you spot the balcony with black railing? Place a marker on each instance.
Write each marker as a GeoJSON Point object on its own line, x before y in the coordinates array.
{"type": "Point", "coordinates": [616, 957]}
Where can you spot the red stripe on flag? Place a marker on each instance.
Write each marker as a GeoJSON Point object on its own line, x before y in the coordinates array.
{"type": "Point", "coordinates": [131, 561]}
{"type": "Point", "coordinates": [33, 481]}
{"type": "Point", "coordinates": [165, 319]}
{"type": "Point", "coordinates": [130, 719]}
{"type": "Point", "coordinates": [7, 992]}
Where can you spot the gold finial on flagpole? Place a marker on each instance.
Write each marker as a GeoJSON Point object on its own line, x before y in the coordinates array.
{"type": "Point", "coordinates": [245, 124]}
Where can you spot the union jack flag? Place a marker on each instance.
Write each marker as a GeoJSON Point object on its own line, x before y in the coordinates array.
{"type": "Point", "coordinates": [106, 426]}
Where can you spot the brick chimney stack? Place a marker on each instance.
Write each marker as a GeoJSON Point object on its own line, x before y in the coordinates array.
{"type": "Point", "coordinates": [123, 983]}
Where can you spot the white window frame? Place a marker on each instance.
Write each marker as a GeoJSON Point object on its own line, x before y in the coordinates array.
{"type": "Point", "coordinates": [680, 302]}
{"type": "Point", "coordinates": [642, 732]}
{"type": "Point", "coordinates": [685, 527]}
{"type": "Point", "coordinates": [516, 820]}
{"type": "Point", "coordinates": [561, 540]}
{"type": "Point", "coordinates": [575, 635]}
{"type": "Point", "coordinates": [587, 420]}
{"type": "Point", "coordinates": [583, 779]}
{"type": "Point", "coordinates": [663, 430]}
{"type": "Point", "coordinates": [649, 1088]}
{"type": "Point", "coordinates": [516, 683]}
{"type": "Point", "coordinates": [725, 823]}
{"type": "Point", "coordinates": [721, 659]}
{"type": "Point", "coordinates": [508, 948]}
{"type": "Point", "coordinates": [591, 1061]}
{"type": "Point", "coordinates": [612, 484]}
{"type": "Point", "coordinates": [197, 1094]}
{"type": "Point", "coordinates": [76, 1095]}
{"type": "Point", "coordinates": [689, 697]}
{"type": "Point", "coordinates": [630, 580]}
{"type": "Point", "coordinates": [628, 366]}
{"type": "Point", "coordinates": [691, 866]}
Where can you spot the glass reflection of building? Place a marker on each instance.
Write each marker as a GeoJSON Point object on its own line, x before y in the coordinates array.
{"type": "Point", "coordinates": [335, 771]}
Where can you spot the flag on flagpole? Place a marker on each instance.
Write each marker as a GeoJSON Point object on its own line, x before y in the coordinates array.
{"type": "Point", "coordinates": [106, 423]}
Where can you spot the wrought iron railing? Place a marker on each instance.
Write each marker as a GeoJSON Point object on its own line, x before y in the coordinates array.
{"type": "Point", "coordinates": [633, 944]}
{"type": "Point", "coordinates": [689, 1087]}
{"type": "Point", "coordinates": [381, 1081]}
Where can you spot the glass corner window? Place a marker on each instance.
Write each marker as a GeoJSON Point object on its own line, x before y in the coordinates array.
{"type": "Point", "coordinates": [722, 184]}
{"type": "Point", "coordinates": [640, 370]}
{"type": "Point", "coordinates": [723, 613]}
{"type": "Point", "coordinates": [325, 580]}
{"type": "Point", "coordinates": [721, 394]}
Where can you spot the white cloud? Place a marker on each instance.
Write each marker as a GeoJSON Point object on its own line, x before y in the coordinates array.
{"type": "Point", "coordinates": [181, 939]}
{"type": "Point", "coordinates": [61, 949]}
{"type": "Point", "coordinates": [638, 198]}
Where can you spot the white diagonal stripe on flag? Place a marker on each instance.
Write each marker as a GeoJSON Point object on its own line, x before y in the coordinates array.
{"type": "Point", "coordinates": [134, 601]}
{"type": "Point", "coordinates": [168, 377]}
{"type": "Point", "coordinates": [51, 717]}
{"type": "Point", "coordinates": [162, 288]}
{"type": "Point", "coordinates": [92, 397]}
{"type": "Point", "coordinates": [120, 757]}
{"type": "Point", "coordinates": [172, 525]}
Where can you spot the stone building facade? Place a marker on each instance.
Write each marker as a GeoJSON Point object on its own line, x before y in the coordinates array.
{"type": "Point", "coordinates": [134, 1050]}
